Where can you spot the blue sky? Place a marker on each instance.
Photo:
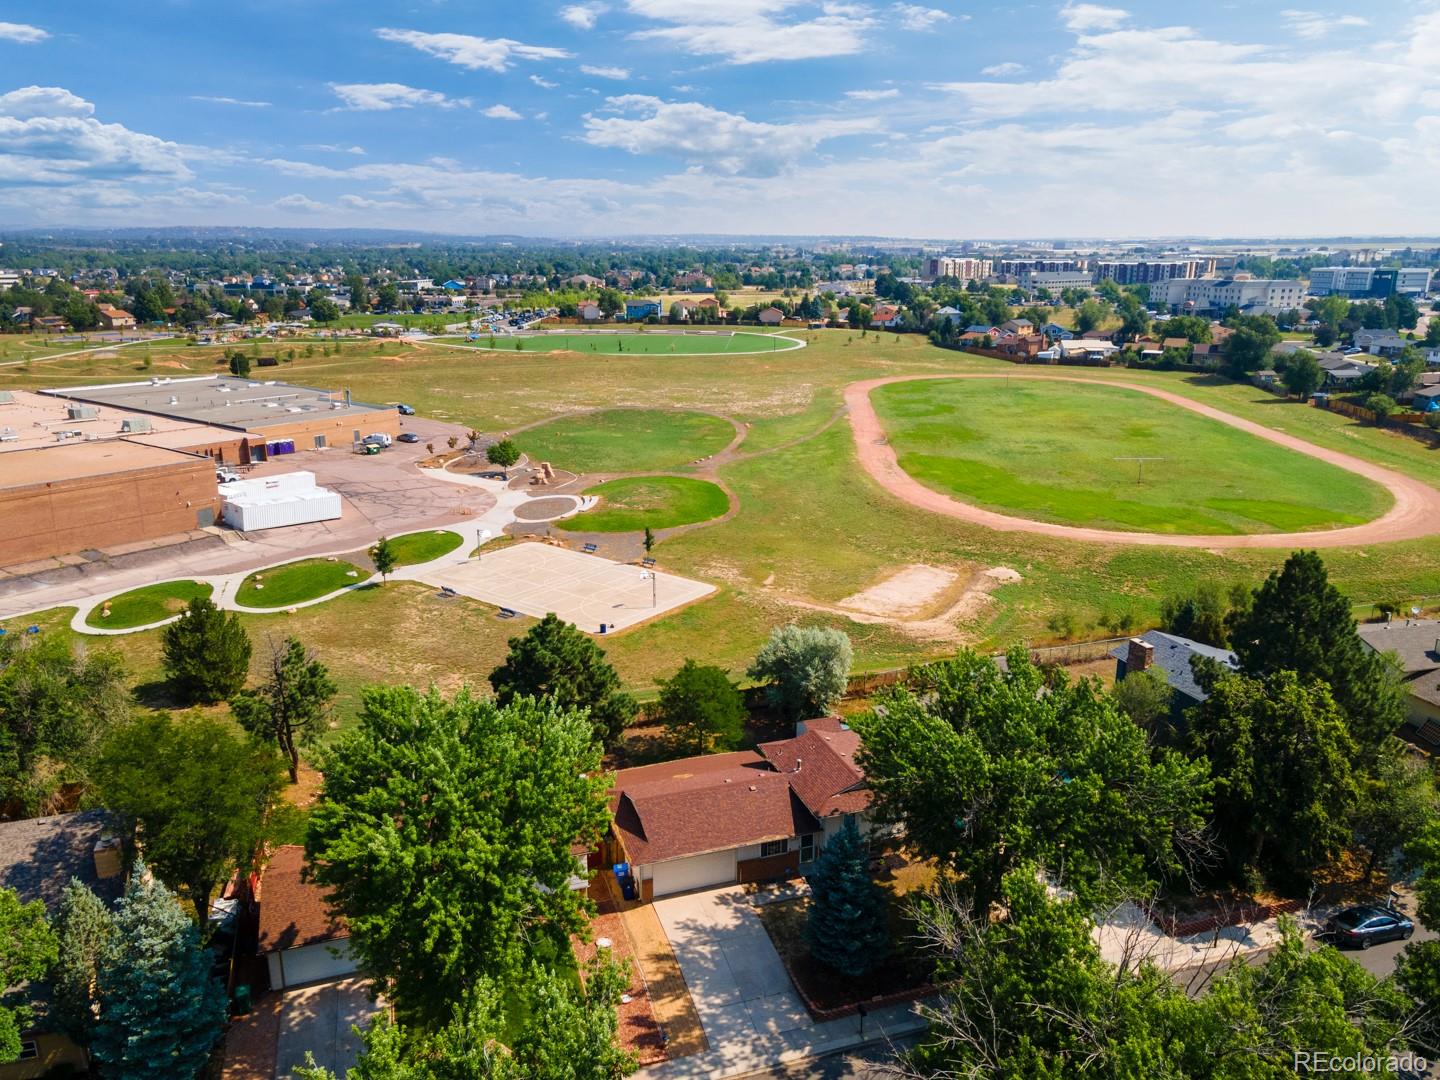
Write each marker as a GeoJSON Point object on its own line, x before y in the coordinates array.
{"type": "Point", "coordinates": [603, 117]}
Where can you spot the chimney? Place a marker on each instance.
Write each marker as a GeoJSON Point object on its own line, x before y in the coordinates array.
{"type": "Point", "coordinates": [1139, 656]}
{"type": "Point", "coordinates": [798, 762]}
{"type": "Point", "coordinates": [107, 857]}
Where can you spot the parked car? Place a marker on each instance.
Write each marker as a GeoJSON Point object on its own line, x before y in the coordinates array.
{"type": "Point", "coordinates": [226, 476]}
{"type": "Point", "coordinates": [409, 436]}
{"type": "Point", "coordinates": [405, 410]}
{"type": "Point", "coordinates": [1369, 924]}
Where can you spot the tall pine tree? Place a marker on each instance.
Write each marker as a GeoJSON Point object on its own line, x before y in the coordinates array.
{"type": "Point", "coordinates": [849, 928]}
{"type": "Point", "coordinates": [84, 925]}
{"type": "Point", "coordinates": [206, 653]}
{"type": "Point", "coordinates": [160, 1012]}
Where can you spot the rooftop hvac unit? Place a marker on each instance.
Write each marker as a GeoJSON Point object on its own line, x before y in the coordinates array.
{"type": "Point", "coordinates": [173, 400]}
{"type": "Point", "coordinates": [134, 426]}
{"type": "Point", "coordinates": [81, 412]}
{"type": "Point", "coordinates": [6, 397]}
{"type": "Point", "coordinates": [8, 434]}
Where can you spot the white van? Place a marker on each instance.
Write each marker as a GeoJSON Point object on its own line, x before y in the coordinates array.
{"type": "Point", "coordinates": [379, 438]}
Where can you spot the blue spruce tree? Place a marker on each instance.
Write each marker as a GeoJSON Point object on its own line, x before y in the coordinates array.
{"type": "Point", "coordinates": [160, 1012]}
{"type": "Point", "coordinates": [849, 927]}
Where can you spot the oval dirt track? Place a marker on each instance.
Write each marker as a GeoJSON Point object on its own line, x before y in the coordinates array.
{"type": "Point", "coordinates": [1416, 512]}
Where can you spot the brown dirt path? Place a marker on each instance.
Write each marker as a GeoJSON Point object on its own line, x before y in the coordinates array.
{"type": "Point", "coordinates": [1416, 512]}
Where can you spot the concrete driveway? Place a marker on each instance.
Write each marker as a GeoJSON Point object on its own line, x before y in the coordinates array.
{"type": "Point", "coordinates": [318, 1019]}
{"type": "Point", "coordinates": [735, 976]}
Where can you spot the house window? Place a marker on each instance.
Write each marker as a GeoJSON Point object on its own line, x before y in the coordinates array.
{"type": "Point", "coordinates": [774, 847]}
{"type": "Point", "coordinates": [29, 1050]}
{"type": "Point", "coordinates": [807, 848]}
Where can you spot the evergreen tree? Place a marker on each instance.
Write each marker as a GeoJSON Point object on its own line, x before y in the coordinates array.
{"type": "Point", "coordinates": [557, 661]}
{"type": "Point", "coordinates": [293, 705]}
{"type": "Point", "coordinates": [84, 926]}
{"type": "Point", "coordinates": [27, 950]}
{"type": "Point", "coordinates": [701, 709]}
{"type": "Point", "coordinates": [384, 557]}
{"type": "Point", "coordinates": [205, 653]}
{"type": "Point", "coordinates": [1300, 622]}
{"type": "Point", "coordinates": [848, 928]}
{"type": "Point", "coordinates": [160, 1012]}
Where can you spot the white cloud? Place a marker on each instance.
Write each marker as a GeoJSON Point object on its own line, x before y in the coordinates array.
{"type": "Point", "coordinates": [22, 33]}
{"type": "Point", "coordinates": [721, 142]}
{"type": "Point", "coordinates": [49, 137]}
{"type": "Point", "coordinates": [230, 101]}
{"type": "Point", "coordinates": [605, 72]}
{"type": "Point", "coordinates": [298, 203]}
{"type": "Point", "coordinates": [1082, 17]}
{"type": "Point", "coordinates": [464, 50]}
{"type": "Point", "coordinates": [382, 97]}
{"type": "Point", "coordinates": [755, 32]}
{"type": "Point", "coordinates": [999, 70]}
{"type": "Point", "coordinates": [583, 16]}
{"type": "Point", "coordinates": [918, 17]}
{"type": "Point", "coordinates": [872, 95]}
{"type": "Point", "coordinates": [502, 112]}
{"type": "Point", "coordinates": [544, 84]}
{"type": "Point", "coordinates": [333, 148]}
{"type": "Point", "coordinates": [1313, 24]}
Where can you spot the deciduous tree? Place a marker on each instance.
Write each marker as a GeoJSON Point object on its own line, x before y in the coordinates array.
{"type": "Point", "coordinates": [1303, 374]}
{"type": "Point", "coordinates": [556, 661]}
{"type": "Point", "coordinates": [444, 832]}
{"type": "Point", "coordinates": [205, 653]}
{"type": "Point", "coordinates": [701, 709]}
{"type": "Point", "coordinates": [805, 670]}
{"type": "Point", "coordinates": [27, 951]}
{"type": "Point", "coordinates": [384, 557]}
{"type": "Point", "coordinates": [1144, 696]}
{"type": "Point", "coordinates": [987, 769]}
{"type": "Point", "coordinates": [292, 706]}
{"type": "Point", "coordinates": [84, 926]}
{"type": "Point", "coordinates": [504, 454]}
{"type": "Point", "coordinates": [197, 791]}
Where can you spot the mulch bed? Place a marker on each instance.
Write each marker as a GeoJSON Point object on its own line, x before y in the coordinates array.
{"type": "Point", "coordinates": [638, 1031]}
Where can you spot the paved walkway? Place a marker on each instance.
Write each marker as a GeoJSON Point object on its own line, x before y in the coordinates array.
{"type": "Point", "coordinates": [752, 1016]}
{"type": "Point", "coordinates": [1415, 514]}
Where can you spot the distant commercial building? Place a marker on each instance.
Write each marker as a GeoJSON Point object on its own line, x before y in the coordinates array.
{"type": "Point", "coordinates": [1368, 281]}
{"type": "Point", "coordinates": [1013, 268]}
{"type": "Point", "coordinates": [1217, 294]}
{"type": "Point", "coordinates": [1054, 280]}
{"type": "Point", "coordinates": [957, 266]}
{"type": "Point", "coordinates": [1148, 271]}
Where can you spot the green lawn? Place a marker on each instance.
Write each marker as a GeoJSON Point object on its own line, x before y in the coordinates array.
{"type": "Point", "coordinates": [140, 607]}
{"type": "Point", "coordinates": [626, 440]}
{"type": "Point", "coordinates": [633, 341]}
{"type": "Point", "coordinates": [296, 582]}
{"type": "Point", "coordinates": [659, 502]}
{"type": "Point", "coordinates": [1048, 451]}
{"type": "Point", "coordinates": [421, 547]}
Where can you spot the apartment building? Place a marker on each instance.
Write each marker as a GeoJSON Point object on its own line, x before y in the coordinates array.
{"type": "Point", "coordinates": [1369, 281]}
{"type": "Point", "coordinates": [957, 266]}
{"type": "Point", "coordinates": [1014, 268]}
{"type": "Point", "coordinates": [1149, 271]}
{"type": "Point", "coordinates": [1054, 280]}
{"type": "Point", "coordinates": [1216, 294]}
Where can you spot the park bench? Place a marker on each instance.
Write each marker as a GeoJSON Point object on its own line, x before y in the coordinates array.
{"type": "Point", "coordinates": [590, 549]}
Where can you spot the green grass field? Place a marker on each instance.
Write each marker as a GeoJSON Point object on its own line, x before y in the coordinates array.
{"type": "Point", "coordinates": [656, 502]}
{"type": "Point", "coordinates": [150, 604]}
{"type": "Point", "coordinates": [633, 341]}
{"type": "Point", "coordinates": [421, 547]}
{"type": "Point", "coordinates": [1048, 451]}
{"type": "Point", "coordinates": [296, 582]}
{"type": "Point", "coordinates": [626, 440]}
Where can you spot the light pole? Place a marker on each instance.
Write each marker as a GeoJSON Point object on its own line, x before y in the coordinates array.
{"type": "Point", "coordinates": [653, 593]}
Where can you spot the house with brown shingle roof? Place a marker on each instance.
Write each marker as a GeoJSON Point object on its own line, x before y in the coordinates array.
{"type": "Point", "coordinates": [724, 819]}
{"type": "Point", "coordinates": [302, 938]}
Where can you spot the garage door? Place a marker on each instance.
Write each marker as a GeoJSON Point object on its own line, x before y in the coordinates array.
{"type": "Point", "coordinates": [696, 872]}
{"type": "Point", "coordinates": [311, 963]}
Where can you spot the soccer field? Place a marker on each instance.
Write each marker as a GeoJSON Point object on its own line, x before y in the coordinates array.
{"type": "Point", "coordinates": [675, 343]}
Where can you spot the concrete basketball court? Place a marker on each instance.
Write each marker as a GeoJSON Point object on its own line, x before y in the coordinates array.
{"type": "Point", "coordinates": [536, 579]}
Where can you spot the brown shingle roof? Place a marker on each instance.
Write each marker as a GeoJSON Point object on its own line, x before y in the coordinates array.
{"type": "Point", "coordinates": [820, 766]}
{"type": "Point", "coordinates": [704, 804]}
{"type": "Point", "coordinates": [294, 912]}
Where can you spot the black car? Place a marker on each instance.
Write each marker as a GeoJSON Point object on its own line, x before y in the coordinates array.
{"type": "Point", "coordinates": [409, 436]}
{"type": "Point", "coordinates": [1369, 924]}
